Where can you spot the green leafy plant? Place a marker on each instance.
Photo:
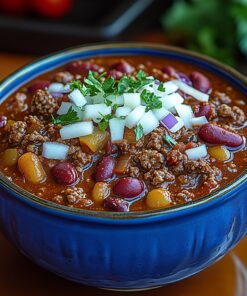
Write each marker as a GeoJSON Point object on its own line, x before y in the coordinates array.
{"type": "Point", "coordinates": [217, 28]}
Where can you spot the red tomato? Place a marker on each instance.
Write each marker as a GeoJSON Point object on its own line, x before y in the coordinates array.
{"type": "Point", "coordinates": [15, 7]}
{"type": "Point", "coordinates": [52, 8]}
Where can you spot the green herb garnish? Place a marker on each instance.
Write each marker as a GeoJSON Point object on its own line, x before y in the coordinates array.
{"type": "Point", "coordinates": [104, 123]}
{"type": "Point", "coordinates": [161, 87]}
{"type": "Point", "coordinates": [139, 132]}
{"type": "Point", "coordinates": [151, 100]}
{"type": "Point", "coordinates": [70, 117]}
{"type": "Point", "coordinates": [169, 140]}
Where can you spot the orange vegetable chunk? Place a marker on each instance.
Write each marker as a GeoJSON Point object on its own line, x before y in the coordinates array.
{"type": "Point", "coordinates": [92, 143]}
{"type": "Point", "coordinates": [100, 191]}
{"type": "Point", "coordinates": [220, 153]}
{"type": "Point", "coordinates": [158, 198]}
{"type": "Point", "coordinates": [10, 156]}
{"type": "Point", "coordinates": [122, 164]}
{"type": "Point", "coordinates": [31, 167]}
{"type": "Point", "coordinates": [129, 135]}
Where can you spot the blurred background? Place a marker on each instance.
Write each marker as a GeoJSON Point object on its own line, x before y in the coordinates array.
{"type": "Point", "coordinates": [217, 28]}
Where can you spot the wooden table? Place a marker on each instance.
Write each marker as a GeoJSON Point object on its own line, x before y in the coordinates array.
{"type": "Point", "coordinates": [20, 277]}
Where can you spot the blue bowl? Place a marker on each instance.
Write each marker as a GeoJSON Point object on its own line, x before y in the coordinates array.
{"type": "Point", "coordinates": [124, 250]}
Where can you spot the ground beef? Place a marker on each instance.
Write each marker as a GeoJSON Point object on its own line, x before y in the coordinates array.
{"type": "Point", "coordinates": [184, 196]}
{"type": "Point", "coordinates": [149, 158]}
{"type": "Point", "coordinates": [176, 161]}
{"type": "Point", "coordinates": [211, 175]}
{"type": "Point", "coordinates": [16, 132]}
{"type": "Point", "coordinates": [155, 141]}
{"type": "Point", "coordinates": [156, 177]}
{"type": "Point", "coordinates": [133, 171]}
{"type": "Point", "coordinates": [188, 136]}
{"type": "Point", "coordinates": [235, 113]}
{"type": "Point", "coordinates": [72, 196]}
{"type": "Point", "coordinates": [80, 158]}
{"type": "Point", "coordinates": [220, 98]}
{"type": "Point", "coordinates": [32, 142]}
{"type": "Point", "coordinates": [34, 124]}
{"type": "Point", "coordinates": [63, 77]}
{"type": "Point", "coordinates": [127, 148]}
{"type": "Point", "coordinates": [43, 104]}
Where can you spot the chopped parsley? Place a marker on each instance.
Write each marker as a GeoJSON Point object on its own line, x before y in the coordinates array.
{"type": "Point", "coordinates": [169, 140]}
{"type": "Point", "coordinates": [104, 123]}
{"type": "Point", "coordinates": [70, 117]}
{"type": "Point", "coordinates": [151, 100]}
{"type": "Point", "coordinates": [161, 87]}
{"type": "Point", "coordinates": [139, 132]}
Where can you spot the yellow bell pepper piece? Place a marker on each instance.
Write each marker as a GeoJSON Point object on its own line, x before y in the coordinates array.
{"type": "Point", "coordinates": [158, 198]}
{"type": "Point", "coordinates": [92, 143]}
{"type": "Point", "coordinates": [220, 153]}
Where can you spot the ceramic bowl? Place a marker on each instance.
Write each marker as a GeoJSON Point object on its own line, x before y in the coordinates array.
{"type": "Point", "coordinates": [124, 250]}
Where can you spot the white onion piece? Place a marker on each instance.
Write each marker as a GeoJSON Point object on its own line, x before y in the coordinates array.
{"type": "Point", "coordinates": [116, 100]}
{"type": "Point", "coordinates": [132, 100]}
{"type": "Point", "coordinates": [169, 88]}
{"type": "Point", "coordinates": [56, 87]}
{"type": "Point", "coordinates": [64, 108]}
{"type": "Point", "coordinates": [96, 111]}
{"type": "Point", "coordinates": [197, 152]}
{"type": "Point", "coordinates": [186, 113]}
{"type": "Point", "coordinates": [200, 96]}
{"type": "Point", "coordinates": [172, 100]}
{"type": "Point", "coordinates": [66, 88]}
{"type": "Point", "coordinates": [76, 130]}
{"type": "Point", "coordinates": [148, 87]}
{"type": "Point", "coordinates": [77, 98]}
{"type": "Point", "coordinates": [177, 126]}
{"type": "Point", "coordinates": [54, 150]}
{"type": "Point", "coordinates": [160, 113]}
{"type": "Point", "coordinates": [135, 115]}
{"type": "Point", "coordinates": [97, 99]}
{"type": "Point", "coordinates": [149, 122]}
{"type": "Point", "coordinates": [196, 121]}
{"type": "Point", "coordinates": [117, 128]}
{"type": "Point", "coordinates": [122, 111]}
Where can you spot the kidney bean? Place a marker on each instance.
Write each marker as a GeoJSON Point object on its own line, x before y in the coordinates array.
{"type": "Point", "coordinates": [3, 121]}
{"type": "Point", "coordinates": [169, 70]}
{"type": "Point", "coordinates": [42, 84]}
{"type": "Point", "coordinates": [213, 134]}
{"type": "Point", "coordinates": [200, 81]}
{"type": "Point", "coordinates": [115, 74]}
{"type": "Point", "coordinates": [64, 173]}
{"type": "Point", "coordinates": [116, 204]}
{"type": "Point", "coordinates": [184, 78]}
{"type": "Point", "coordinates": [105, 168]}
{"type": "Point", "coordinates": [110, 148]}
{"type": "Point", "coordinates": [123, 67]}
{"type": "Point", "coordinates": [81, 67]}
{"type": "Point", "coordinates": [128, 187]}
{"type": "Point", "coordinates": [204, 110]}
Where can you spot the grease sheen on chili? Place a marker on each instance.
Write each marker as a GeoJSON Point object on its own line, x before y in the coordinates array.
{"type": "Point", "coordinates": [137, 172]}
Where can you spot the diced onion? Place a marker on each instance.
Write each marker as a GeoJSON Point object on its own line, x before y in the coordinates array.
{"type": "Point", "coordinates": [96, 111]}
{"type": "Point", "coordinates": [149, 122]}
{"type": "Point", "coordinates": [66, 88]}
{"type": "Point", "coordinates": [116, 128]}
{"type": "Point", "coordinates": [197, 152]}
{"type": "Point", "coordinates": [122, 111]}
{"type": "Point", "coordinates": [169, 121]}
{"type": "Point", "coordinates": [76, 130]}
{"type": "Point", "coordinates": [172, 100]}
{"type": "Point", "coordinates": [132, 100]}
{"type": "Point", "coordinates": [77, 98]}
{"type": "Point", "coordinates": [177, 126]}
{"type": "Point", "coordinates": [134, 116]}
{"type": "Point", "coordinates": [116, 100]}
{"type": "Point", "coordinates": [55, 150]}
{"type": "Point", "coordinates": [160, 113]}
{"type": "Point", "coordinates": [64, 108]}
{"type": "Point", "coordinates": [196, 121]}
{"type": "Point", "coordinates": [97, 99]}
{"type": "Point", "coordinates": [169, 88]}
{"type": "Point", "coordinates": [56, 87]}
{"type": "Point", "coordinates": [186, 113]}
{"type": "Point", "coordinates": [200, 96]}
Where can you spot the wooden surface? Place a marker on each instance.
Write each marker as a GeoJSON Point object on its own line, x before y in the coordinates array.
{"type": "Point", "coordinates": [20, 277]}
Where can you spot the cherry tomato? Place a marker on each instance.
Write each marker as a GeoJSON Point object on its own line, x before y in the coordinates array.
{"type": "Point", "coordinates": [52, 8]}
{"type": "Point", "coordinates": [15, 7]}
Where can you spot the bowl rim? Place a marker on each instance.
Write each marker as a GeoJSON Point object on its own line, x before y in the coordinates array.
{"type": "Point", "coordinates": [42, 204]}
